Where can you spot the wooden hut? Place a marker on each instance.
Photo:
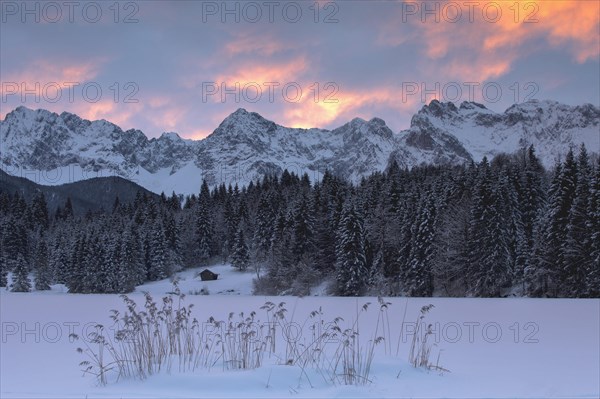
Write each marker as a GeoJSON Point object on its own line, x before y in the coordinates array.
{"type": "Point", "coordinates": [207, 275]}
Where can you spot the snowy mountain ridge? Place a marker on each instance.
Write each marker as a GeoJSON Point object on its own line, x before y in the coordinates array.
{"type": "Point", "coordinates": [54, 149]}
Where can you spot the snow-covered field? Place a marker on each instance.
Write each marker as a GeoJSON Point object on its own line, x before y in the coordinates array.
{"type": "Point", "coordinates": [494, 348]}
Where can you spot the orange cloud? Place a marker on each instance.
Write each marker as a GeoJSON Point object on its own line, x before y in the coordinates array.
{"type": "Point", "coordinates": [481, 68]}
{"type": "Point", "coordinates": [486, 48]}
{"type": "Point", "coordinates": [42, 73]}
{"type": "Point", "coordinates": [169, 118]}
{"type": "Point", "coordinates": [120, 114]}
{"type": "Point", "coordinates": [560, 22]}
{"type": "Point", "coordinates": [260, 73]}
{"type": "Point", "coordinates": [331, 105]}
{"type": "Point", "coordinates": [309, 113]}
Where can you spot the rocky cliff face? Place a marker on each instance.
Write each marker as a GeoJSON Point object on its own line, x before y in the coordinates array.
{"type": "Point", "coordinates": [64, 148]}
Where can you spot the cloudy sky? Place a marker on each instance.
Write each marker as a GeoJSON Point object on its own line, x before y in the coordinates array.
{"type": "Point", "coordinates": [183, 66]}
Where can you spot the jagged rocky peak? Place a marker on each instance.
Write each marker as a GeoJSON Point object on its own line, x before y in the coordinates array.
{"type": "Point", "coordinates": [439, 109]}
{"type": "Point", "coordinates": [377, 122]}
{"type": "Point", "coordinates": [241, 115]}
{"type": "Point", "coordinates": [440, 133]}
{"type": "Point", "coordinates": [534, 105]}
{"type": "Point", "coordinates": [536, 108]}
{"type": "Point", "coordinates": [23, 110]}
{"type": "Point", "coordinates": [170, 137]}
{"type": "Point", "coordinates": [359, 126]}
{"type": "Point", "coordinates": [548, 112]}
{"type": "Point", "coordinates": [472, 105]}
{"type": "Point", "coordinates": [243, 122]}
{"type": "Point", "coordinates": [379, 127]}
{"type": "Point", "coordinates": [589, 111]}
{"type": "Point", "coordinates": [27, 116]}
{"type": "Point", "coordinates": [434, 110]}
{"type": "Point", "coordinates": [358, 121]}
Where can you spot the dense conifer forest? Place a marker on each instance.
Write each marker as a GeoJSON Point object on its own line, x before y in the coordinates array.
{"type": "Point", "coordinates": [496, 228]}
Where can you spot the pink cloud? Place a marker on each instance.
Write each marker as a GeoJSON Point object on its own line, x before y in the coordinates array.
{"type": "Point", "coordinates": [486, 48]}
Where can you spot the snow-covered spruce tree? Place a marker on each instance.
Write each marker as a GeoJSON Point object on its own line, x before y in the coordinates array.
{"type": "Point", "coordinates": [532, 202]}
{"type": "Point", "coordinates": [174, 202]}
{"type": "Point", "coordinates": [3, 269]}
{"type": "Point", "coordinates": [171, 231]}
{"type": "Point", "coordinates": [383, 224]}
{"type": "Point", "coordinates": [302, 230]}
{"type": "Point", "coordinates": [14, 237]}
{"type": "Point", "coordinates": [74, 272]}
{"type": "Point", "coordinates": [280, 258]}
{"type": "Point", "coordinates": [593, 267]}
{"type": "Point", "coordinates": [146, 247]}
{"type": "Point", "coordinates": [562, 194]}
{"type": "Point", "coordinates": [263, 231]}
{"type": "Point", "coordinates": [351, 265]}
{"type": "Point", "coordinates": [68, 209]}
{"type": "Point", "coordinates": [419, 278]}
{"type": "Point", "coordinates": [240, 258]}
{"type": "Point", "coordinates": [203, 229]}
{"type": "Point", "coordinates": [95, 273]}
{"type": "Point", "coordinates": [510, 189]}
{"type": "Point", "coordinates": [377, 282]}
{"type": "Point", "coordinates": [451, 245]}
{"type": "Point", "coordinates": [118, 258]}
{"type": "Point", "coordinates": [231, 223]}
{"type": "Point", "coordinates": [242, 214]}
{"type": "Point", "coordinates": [159, 261]}
{"type": "Point", "coordinates": [536, 272]}
{"type": "Point", "coordinates": [264, 224]}
{"type": "Point", "coordinates": [577, 255]}
{"type": "Point", "coordinates": [329, 206]}
{"type": "Point", "coordinates": [203, 236]}
{"type": "Point", "coordinates": [132, 257]}
{"type": "Point", "coordinates": [488, 254]}
{"type": "Point", "coordinates": [21, 282]}
{"type": "Point", "coordinates": [497, 262]}
{"type": "Point", "coordinates": [480, 213]}
{"type": "Point", "coordinates": [58, 258]}
{"type": "Point", "coordinates": [110, 280]}
{"type": "Point", "coordinates": [43, 277]}
{"type": "Point", "coordinates": [39, 211]}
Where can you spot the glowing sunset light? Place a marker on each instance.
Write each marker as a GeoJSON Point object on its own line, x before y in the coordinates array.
{"type": "Point", "coordinates": [371, 54]}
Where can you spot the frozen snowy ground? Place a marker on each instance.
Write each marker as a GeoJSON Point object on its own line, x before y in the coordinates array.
{"type": "Point", "coordinates": [495, 348]}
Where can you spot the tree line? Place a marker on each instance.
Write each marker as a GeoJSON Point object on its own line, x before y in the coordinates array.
{"type": "Point", "coordinates": [495, 228]}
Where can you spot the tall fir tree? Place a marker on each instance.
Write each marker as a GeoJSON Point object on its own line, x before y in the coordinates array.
{"type": "Point", "coordinates": [593, 267]}
{"type": "Point", "coordinates": [302, 229]}
{"type": "Point", "coordinates": [159, 267]}
{"type": "Point", "coordinates": [39, 211]}
{"type": "Point", "coordinates": [264, 221]}
{"type": "Point", "coordinates": [562, 194]}
{"type": "Point", "coordinates": [133, 256]}
{"type": "Point", "coordinates": [3, 269]}
{"type": "Point", "coordinates": [43, 276]}
{"type": "Point", "coordinates": [240, 257]}
{"type": "Point", "coordinates": [488, 254]}
{"type": "Point", "coordinates": [419, 278]}
{"type": "Point", "coordinates": [204, 232]}
{"type": "Point", "coordinates": [351, 266]}
{"type": "Point", "coordinates": [451, 249]}
{"type": "Point", "coordinates": [21, 282]}
{"type": "Point", "coordinates": [281, 257]}
{"type": "Point", "coordinates": [75, 268]}
{"type": "Point", "coordinates": [577, 255]}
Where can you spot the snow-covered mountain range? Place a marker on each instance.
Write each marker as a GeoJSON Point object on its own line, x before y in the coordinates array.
{"type": "Point", "coordinates": [54, 149]}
